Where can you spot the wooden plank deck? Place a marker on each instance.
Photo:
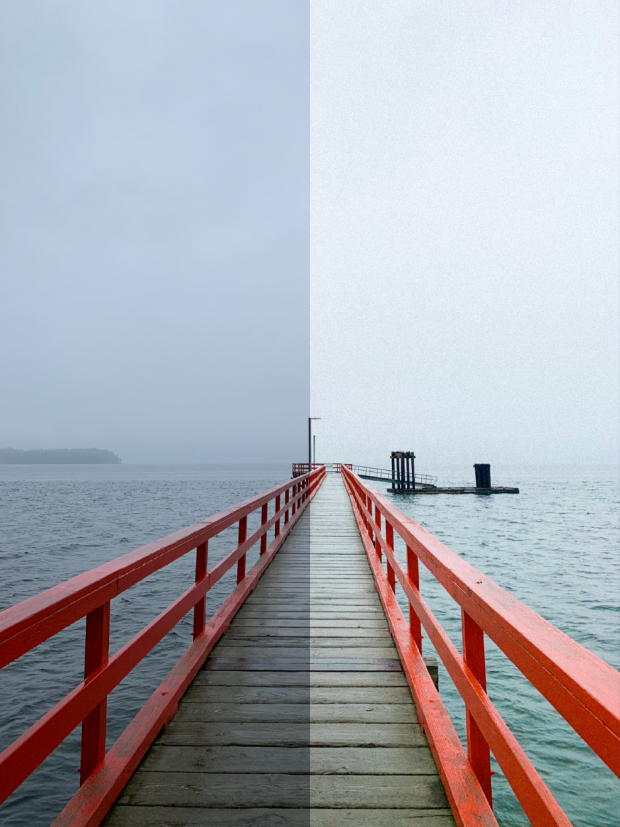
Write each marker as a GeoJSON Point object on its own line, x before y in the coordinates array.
{"type": "Point", "coordinates": [302, 714]}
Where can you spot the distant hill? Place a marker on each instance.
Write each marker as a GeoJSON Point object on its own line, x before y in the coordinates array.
{"type": "Point", "coordinates": [57, 456]}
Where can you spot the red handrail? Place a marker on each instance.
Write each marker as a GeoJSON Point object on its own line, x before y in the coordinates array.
{"type": "Point", "coordinates": [582, 687]}
{"type": "Point", "coordinates": [26, 625]}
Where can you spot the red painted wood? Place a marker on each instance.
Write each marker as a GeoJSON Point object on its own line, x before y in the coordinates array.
{"type": "Point", "coordinates": [581, 686]}
{"type": "Point", "coordinates": [243, 533]}
{"type": "Point", "coordinates": [286, 499]}
{"type": "Point", "coordinates": [389, 539]}
{"type": "Point", "coordinates": [536, 799]}
{"type": "Point", "coordinates": [35, 620]}
{"type": "Point", "coordinates": [477, 747]}
{"type": "Point", "coordinates": [90, 805]}
{"type": "Point", "coordinates": [263, 520]}
{"type": "Point", "coordinates": [413, 573]}
{"type": "Point", "coordinates": [277, 529]}
{"type": "Point", "coordinates": [95, 656]}
{"type": "Point", "coordinates": [467, 800]}
{"type": "Point", "coordinates": [202, 554]}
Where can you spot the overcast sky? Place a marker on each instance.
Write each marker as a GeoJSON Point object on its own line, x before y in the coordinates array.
{"type": "Point", "coordinates": [464, 230]}
{"type": "Point", "coordinates": [154, 227]}
{"type": "Point", "coordinates": [156, 160]}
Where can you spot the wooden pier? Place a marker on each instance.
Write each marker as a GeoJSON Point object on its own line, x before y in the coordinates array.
{"type": "Point", "coordinates": [302, 713]}
{"type": "Point", "coordinates": [304, 698]}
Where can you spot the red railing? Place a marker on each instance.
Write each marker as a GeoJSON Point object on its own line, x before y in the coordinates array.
{"type": "Point", "coordinates": [300, 468]}
{"type": "Point", "coordinates": [26, 625]}
{"type": "Point", "coordinates": [583, 688]}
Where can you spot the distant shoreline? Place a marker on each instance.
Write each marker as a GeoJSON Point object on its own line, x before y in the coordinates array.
{"type": "Point", "coordinates": [58, 456]}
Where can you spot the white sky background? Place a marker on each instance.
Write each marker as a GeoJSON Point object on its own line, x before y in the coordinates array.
{"type": "Point", "coordinates": [154, 211]}
{"type": "Point", "coordinates": [464, 230]}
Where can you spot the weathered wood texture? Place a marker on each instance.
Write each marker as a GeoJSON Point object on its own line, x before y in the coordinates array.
{"type": "Point", "coordinates": [302, 714]}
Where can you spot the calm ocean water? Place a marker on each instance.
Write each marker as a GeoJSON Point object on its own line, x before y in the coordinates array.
{"type": "Point", "coordinates": [555, 546]}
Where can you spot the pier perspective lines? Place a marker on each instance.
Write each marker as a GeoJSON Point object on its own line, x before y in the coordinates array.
{"type": "Point", "coordinates": [305, 698]}
{"type": "Point", "coordinates": [302, 713]}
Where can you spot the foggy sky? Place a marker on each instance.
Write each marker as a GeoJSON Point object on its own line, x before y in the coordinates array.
{"type": "Point", "coordinates": [154, 252]}
{"type": "Point", "coordinates": [154, 221]}
{"type": "Point", "coordinates": [464, 231]}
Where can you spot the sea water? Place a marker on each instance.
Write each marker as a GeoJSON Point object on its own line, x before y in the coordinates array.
{"type": "Point", "coordinates": [58, 521]}
{"type": "Point", "coordinates": [554, 546]}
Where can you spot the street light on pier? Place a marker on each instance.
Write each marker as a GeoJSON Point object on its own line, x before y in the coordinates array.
{"type": "Point", "coordinates": [310, 420]}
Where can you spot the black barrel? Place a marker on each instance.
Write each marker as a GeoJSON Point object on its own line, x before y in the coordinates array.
{"type": "Point", "coordinates": [483, 475]}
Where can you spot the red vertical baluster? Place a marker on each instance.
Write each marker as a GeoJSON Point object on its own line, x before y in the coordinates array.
{"type": "Point", "coordinates": [378, 524]}
{"type": "Point", "coordinates": [413, 573]}
{"type": "Point", "coordinates": [286, 502]}
{"type": "Point", "coordinates": [243, 533]}
{"type": "Point", "coordinates": [202, 552]}
{"type": "Point", "coordinates": [277, 521]}
{"type": "Point", "coordinates": [477, 747]}
{"type": "Point", "coordinates": [95, 655]}
{"type": "Point", "coordinates": [263, 520]}
{"type": "Point", "coordinates": [389, 539]}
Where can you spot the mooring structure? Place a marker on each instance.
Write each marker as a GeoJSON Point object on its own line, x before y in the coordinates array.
{"type": "Point", "coordinates": [306, 692]}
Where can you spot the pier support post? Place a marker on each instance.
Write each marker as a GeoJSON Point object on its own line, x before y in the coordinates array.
{"type": "Point", "coordinates": [243, 535]}
{"type": "Point", "coordinates": [389, 539]}
{"type": "Point", "coordinates": [413, 573]}
{"type": "Point", "coordinates": [263, 520]}
{"type": "Point", "coordinates": [477, 747]}
{"type": "Point", "coordinates": [95, 655]}
{"type": "Point", "coordinates": [202, 552]}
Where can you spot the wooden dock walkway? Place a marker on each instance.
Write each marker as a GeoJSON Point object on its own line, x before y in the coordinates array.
{"type": "Point", "coordinates": [301, 714]}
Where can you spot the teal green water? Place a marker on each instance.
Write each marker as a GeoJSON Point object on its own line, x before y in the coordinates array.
{"type": "Point", "coordinates": [555, 547]}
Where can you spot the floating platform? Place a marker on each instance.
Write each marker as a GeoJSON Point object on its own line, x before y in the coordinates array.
{"type": "Point", "coordinates": [463, 490]}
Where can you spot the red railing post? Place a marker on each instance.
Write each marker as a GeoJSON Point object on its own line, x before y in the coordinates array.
{"type": "Point", "coordinates": [95, 655]}
{"type": "Point", "coordinates": [277, 533]}
{"type": "Point", "coordinates": [389, 539]}
{"type": "Point", "coordinates": [243, 533]}
{"type": "Point", "coordinates": [413, 573]}
{"type": "Point", "coordinates": [286, 502]}
{"type": "Point", "coordinates": [263, 520]}
{"type": "Point", "coordinates": [294, 508]}
{"type": "Point", "coordinates": [378, 524]}
{"type": "Point", "coordinates": [202, 552]}
{"type": "Point", "coordinates": [477, 748]}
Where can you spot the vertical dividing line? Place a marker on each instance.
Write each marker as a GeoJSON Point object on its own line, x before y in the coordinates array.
{"type": "Point", "coordinates": [286, 502]}
{"type": "Point", "coordinates": [294, 508]}
{"type": "Point", "coordinates": [413, 573]}
{"type": "Point", "coordinates": [477, 747]}
{"type": "Point", "coordinates": [96, 653]}
{"type": "Point", "coordinates": [243, 534]}
{"type": "Point", "coordinates": [202, 553]}
{"type": "Point", "coordinates": [277, 533]}
{"type": "Point", "coordinates": [263, 520]}
{"type": "Point", "coordinates": [378, 524]}
{"type": "Point", "coordinates": [389, 539]}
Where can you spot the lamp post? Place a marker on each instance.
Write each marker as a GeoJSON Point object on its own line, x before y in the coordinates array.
{"type": "Point", "coordinates": [310, 419]}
